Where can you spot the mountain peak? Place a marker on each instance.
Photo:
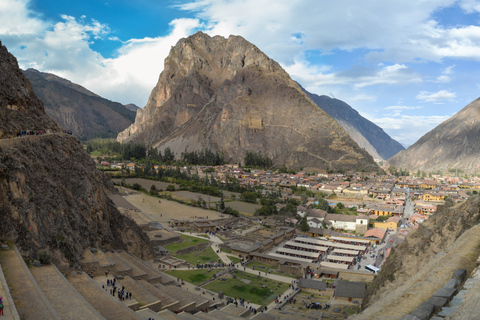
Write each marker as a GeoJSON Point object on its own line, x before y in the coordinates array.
{"type": "Point", "coordinates": [228, 96]}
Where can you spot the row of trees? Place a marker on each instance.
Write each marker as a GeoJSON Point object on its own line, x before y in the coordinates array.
{"type": "Point", "coordinates": [257, 159]}
{"type": "Point", "coordinates": [203, 157]}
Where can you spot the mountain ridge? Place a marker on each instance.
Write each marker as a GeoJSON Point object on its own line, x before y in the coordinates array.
{"type": "Point", "coordinates": [366, 133]}
{"type": "Point", "coordinates": [77, 109]}
{"type": "Point", "coordinates": [453, 144]}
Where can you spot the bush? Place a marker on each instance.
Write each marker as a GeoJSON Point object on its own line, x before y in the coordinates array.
{"type": "Point", "coordinates": [44, 256]}
{"type": "Point", "coordinates": [170, 187]}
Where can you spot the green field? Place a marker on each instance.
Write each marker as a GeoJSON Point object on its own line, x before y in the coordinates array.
{"type": "Point", "coordinates": [253, 292]}
{"type": "Point", "coordinates": [195, 277]}
{"type": "Point", "coordinates": [187, 242]}
{"type": "Point", "coordinates": [201, 257]}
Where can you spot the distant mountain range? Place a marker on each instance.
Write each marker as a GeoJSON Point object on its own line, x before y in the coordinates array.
{"type": "Point", "coordinates": [367, 134]}
{"type": "Point", "coordinates": [77, 109]}
{"type": "Point", "coordinates": [454, 144]}
{"type": "Point", "coordinates": [228, 96]}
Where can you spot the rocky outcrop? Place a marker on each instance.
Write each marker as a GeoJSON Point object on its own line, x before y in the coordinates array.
{"type": "Point", "coordinates": [77, 109]}
{"type": "Point", "coordinates": [228, 96]}
{"type": "Point", "coordinates": [416, 269]}
{"type": "Point", "coordinates": [452, 144]}
{"type": "Point", "coordinates": [20, 108]}
{"type": "Point", "coordinates": [367, 134]}
{"type": "Point", "coordinates": [51, 195]}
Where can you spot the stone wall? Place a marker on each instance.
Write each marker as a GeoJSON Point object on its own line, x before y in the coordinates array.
{"type": "Point", "coordinates": [198, 247]}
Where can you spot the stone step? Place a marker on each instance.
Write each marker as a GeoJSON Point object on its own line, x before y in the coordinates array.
{"type": "Point", "coordinates": [169, 315]}
{"type": "Point", "coordinates": [30, 301]}
{"type": "Point", "coordinates": [137, 273]}
{"type": "Point", "coordinates": [100, 298]}
{"type": "Point", "coordinates": [90, 262]}
{"type": "Point", "coordinates": [9, 311]}
{"type": "Point", "coordinates": [168, 302]}
{"type": "Point", "coordinates": [66, 300]}
{"type": "Point", "coordinates": [131, 303]}
{"type": "Point", "coordinates": [120, 268]}
{"type": "Point", "coordinates": [184, 303]}
{"type": "Point", "coordinates": [152, 274]}
{"type": "Point", "coordinates": [236, 310]}
{"type": "Point", "coordinates": [148, 314]}
{"type": "Point", "coordinates": [145, 298]}
{"type": "Point", "coordinates": [186, 316]}
{"type": "Point", "coordinates": [218, 314]}
{"type": "Point", "coordinates": [201, 302]}
{"type": "Point", "coordinates": [104, 261]}
{"type": "Point", "coordinates": [208, 316]}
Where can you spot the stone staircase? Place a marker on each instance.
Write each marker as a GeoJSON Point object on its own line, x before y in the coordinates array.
{"type": "Point", "coordinates": [45, 293]}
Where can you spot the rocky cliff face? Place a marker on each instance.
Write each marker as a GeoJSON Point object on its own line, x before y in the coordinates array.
{"type": "Point", "coordinates": [425, 261]}
{"type": "Point", "coordinates": [20, 108]}
{"type": "Point", "coordinates": [51, 195]}
{"type": "Point", "coordinates": [77, 109]}
{"type": "Point", "coordinates": [367, 134]}
{"type": "Point", "coordinates": [452, 144]}
{"type": "Point", "coordinates": [225, 94]}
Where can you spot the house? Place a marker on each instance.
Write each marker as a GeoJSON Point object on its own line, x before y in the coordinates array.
{"type": "Point", "coordinates": [433, 196]}
{"type": "Point", "coordinates": [375, 235]}
{"type": "Point", "coordinates": [313, 286]}
{"type": "Point", "coordinates": [391, 224]}
{"type": "Point", "coordinates": [318, 232]}
{"type": "Point", "coordinates": [350, 291]}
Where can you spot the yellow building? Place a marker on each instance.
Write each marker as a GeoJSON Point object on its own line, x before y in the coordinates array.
{"type": "Point", "coordinates": [433, 196]}
{"type": "Point", "coordinates": [391, 224]}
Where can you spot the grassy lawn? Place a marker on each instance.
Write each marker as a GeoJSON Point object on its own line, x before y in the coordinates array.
{"type": "Point", "coordinates": [234, 259]}
{"type": "Point", "coordinates": [193, 276]}
{"type": "Point", "coordinates": [187, 242]}
{"type": "Point", "coordinates": [252, 291]}
{"type": "Point", "coordinates": [199, 256]}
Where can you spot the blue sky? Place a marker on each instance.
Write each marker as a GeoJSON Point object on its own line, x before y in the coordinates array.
{"type": "Point", "coordinates": [406, 67]}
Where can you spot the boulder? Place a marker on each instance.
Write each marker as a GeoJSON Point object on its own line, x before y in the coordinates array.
{"type": "Point", "coordinates": [424, 311]}
{"type": "Point", "coordinates": [460, 274]}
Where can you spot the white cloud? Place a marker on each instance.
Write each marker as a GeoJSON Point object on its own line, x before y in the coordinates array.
{"type": "Point", "coordinates": [396, 126]}
{"type": "Point", "coordinates": [358, 77]}
{"type": "Point", "coordinates": [442, 95]}
{"type": "Point", "coordinates": [402, 108]}
{"type": "Point", "coordinates": [64, 49]}
{"type": "Point", "coordinates": [364, 97]}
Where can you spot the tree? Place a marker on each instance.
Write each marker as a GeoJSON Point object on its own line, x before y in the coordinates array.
{"type": "Point", "coordinates": [153, 190]}
{"type": "Point", "coordinates": [249, 196]}
{"type": "Point", "coordinates": [340, 206]}
{"type": "Point", "coordinates": [221, 204]}
{"type": "Point", "coordinates": [304, 224]}
{"type": "Point", "coordinates": [170, 187]}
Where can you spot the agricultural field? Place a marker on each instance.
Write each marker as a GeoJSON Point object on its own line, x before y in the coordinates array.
{"type": "Point", "coordinates": [245, 208]}
{"type": "Point", "coordinates": [166, 210]}
{"type": "Point", "coordinates": [145, 183]}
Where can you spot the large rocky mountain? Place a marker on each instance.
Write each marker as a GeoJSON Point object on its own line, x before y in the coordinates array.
{"type": "Point", "coordinates": [51, 195]}
{"type": "Point", "coordinates": [452, 144]}
{"type": "Point", "coordinates": [77, 109]}
{"type": "Point", "coordinates": [367, 134]}
{"type": "Point", "coordinates": [227, 95]}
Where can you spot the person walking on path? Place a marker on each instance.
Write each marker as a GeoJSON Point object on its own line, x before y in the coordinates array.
{"type": "Point", "coordinates": [1, 309]}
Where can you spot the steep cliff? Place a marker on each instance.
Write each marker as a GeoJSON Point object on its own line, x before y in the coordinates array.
{"type": "Point", "coordinates": [367, 134]}
{"type": "Point", "coordinates": [20, 108]}
{"type": "Point", "coordinates": [227, 95]}
{"type": "Point", "coordinates": [452, 144]}
{"type": "Point", "coordinates": [77, 109]}
{"type": "Point", "coordinates": [425, 261]}
{"type": "Point", "coordinates": [51, 195]}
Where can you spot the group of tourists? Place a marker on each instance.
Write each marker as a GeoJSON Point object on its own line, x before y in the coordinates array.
{"type": "Point", "coordinates": [121, 294]}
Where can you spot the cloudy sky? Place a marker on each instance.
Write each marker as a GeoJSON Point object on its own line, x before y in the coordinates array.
{"type": "Point", "coordinates": [406, 67]}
